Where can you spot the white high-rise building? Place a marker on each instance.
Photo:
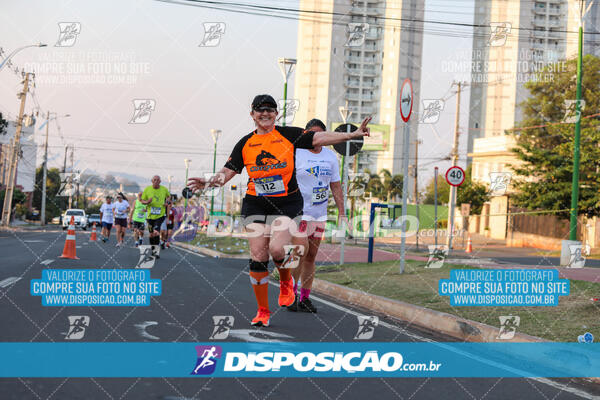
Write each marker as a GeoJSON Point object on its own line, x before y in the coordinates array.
{"type": "Point", "coordinates": [358, 53]}
{"type": "Point", "coordinates": [521, 37]}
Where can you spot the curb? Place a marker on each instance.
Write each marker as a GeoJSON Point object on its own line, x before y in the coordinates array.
{"type": "Point", "coordinates": [431, 320]}
{"type": "Point", "coordinates": [209, 252]}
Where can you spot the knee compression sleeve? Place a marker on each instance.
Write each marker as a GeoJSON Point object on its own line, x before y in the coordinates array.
{"type": "Point", "coordinates": [259, 266]}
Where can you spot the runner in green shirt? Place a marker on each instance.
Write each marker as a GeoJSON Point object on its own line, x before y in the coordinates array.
{"type": "Point", "coordinates": [137, 220]}
{"type": "Point", "coordinates": [155, 197]}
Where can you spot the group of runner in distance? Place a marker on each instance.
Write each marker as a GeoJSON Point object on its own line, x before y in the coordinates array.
{"type": "Point", "coordinates": [290, 174]}
{"type": "Point", "coordinates": [152, 208]}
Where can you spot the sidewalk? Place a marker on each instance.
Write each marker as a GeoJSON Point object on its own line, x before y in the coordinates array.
{"type": "Point", "coordinates": [330, 253]}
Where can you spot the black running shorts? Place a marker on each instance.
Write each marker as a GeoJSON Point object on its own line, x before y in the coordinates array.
{"type": "Point", "coordinates": [257, 208]}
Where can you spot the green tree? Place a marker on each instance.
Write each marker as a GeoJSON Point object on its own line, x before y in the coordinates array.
{"type": "Point", "coordinates": [18, 198]}
{"type": "Point", "coordinates": [473, 193]}
{"type": "Point", "coordinates": [384, 185]}
{"type": "Point", "coordinates": [3, 125]}
{"type": "Point", "coordinates": [544, 175]}
{"type": "Point", "coordinates": [54, 204]}
{"type": "Point", "coordinates": [443, 191]}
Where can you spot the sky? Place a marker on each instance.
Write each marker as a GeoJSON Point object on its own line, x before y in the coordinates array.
{"type": "Point", "coordinates": [146, 51]}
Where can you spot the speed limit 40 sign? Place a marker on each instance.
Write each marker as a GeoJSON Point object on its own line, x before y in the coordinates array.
{"type": "Point", "coordinates": [455, 176]}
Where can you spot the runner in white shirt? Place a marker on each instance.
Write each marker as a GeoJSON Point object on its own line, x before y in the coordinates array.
{"type": "Point", "coordinates": [317, 171]}
{"type": "Point", "coordinates": [107, 217]}
{"type": "Point", "coordinates": [121, 212]}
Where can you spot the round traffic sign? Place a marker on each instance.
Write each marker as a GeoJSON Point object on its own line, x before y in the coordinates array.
{"type": "Point", "coordinates": [406, 100]}
{"type": "Point", "coordinates": [455, 176]}
{"type": "Point", "coordinates": [355, 145]}
{"type": "Point", "coordinates": [187, 193]}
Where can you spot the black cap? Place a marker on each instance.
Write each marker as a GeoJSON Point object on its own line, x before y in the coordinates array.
{"type": "Point", "coordinates": [263, 100]}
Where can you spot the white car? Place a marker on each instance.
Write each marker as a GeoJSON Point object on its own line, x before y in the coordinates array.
{"type": "Point", "coordinates": [79, 217]}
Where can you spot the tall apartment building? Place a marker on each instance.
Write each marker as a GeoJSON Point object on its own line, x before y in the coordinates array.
{"type": "Point", "coordinates": [541, 32]}
{"type": "Point", "coordinates": [358, 53]}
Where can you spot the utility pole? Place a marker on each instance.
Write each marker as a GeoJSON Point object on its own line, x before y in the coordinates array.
{"type": "Point", "coordinates": [14, 156]}
{"type": "Point", "coordinates": [65, 161]}
{"type": "Point", "coordinates": [416, 188]}
{"type": "Point", "coordinates": [71, 177]}
{"type": "Point", "coordinates": [452, 197]}
{"type": "Point", "coordinates": [45, 173]}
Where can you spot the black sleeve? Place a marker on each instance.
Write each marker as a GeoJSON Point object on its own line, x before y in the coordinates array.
{"type": "Point", "coordinates": [236, 159]}
{"type": "Point", "coordinates": [299, 137]}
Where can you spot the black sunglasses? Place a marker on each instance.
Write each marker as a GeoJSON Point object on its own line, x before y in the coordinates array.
{"type": "Point", "coordinates": [267, 109]}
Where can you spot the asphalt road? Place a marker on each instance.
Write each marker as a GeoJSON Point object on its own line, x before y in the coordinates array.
{"type": "Point", "coordinates": [194, 289]}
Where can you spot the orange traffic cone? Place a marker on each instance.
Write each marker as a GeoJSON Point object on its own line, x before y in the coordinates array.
{"type": "Point", "coordinates": [93, 238]}
{"type": "Point", "coordinates": [69, 249]}
{"type": "Point", "coordinates": [469, 246]}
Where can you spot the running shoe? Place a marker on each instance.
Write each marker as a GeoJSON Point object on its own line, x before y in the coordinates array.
{"type": "Point", "coordinates": [307, 306]}
{"type": "Point", "coordinates": [162, 245]}
{"type": "Point", "coordinates": [137, 244]}
{"type": "Point", "coordinates": [294, 306]}
{"type": "Point", "coordinates": [118, 244]}
{"type": "Point", "coordinates": [262, 317]}
{"type": "Point", "coordinates": [286, 293]}
{"type": "Point", "coordinates": [168, 245]}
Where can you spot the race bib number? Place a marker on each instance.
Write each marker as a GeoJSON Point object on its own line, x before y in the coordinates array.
{"type": "Point", "coordinates": [155, 210]}
{"type": "Point", "coordinates": [141, 215]}
{"type": "Point", "coordinates": [319, 195]}
{"type": "Point", "coordinates": [269, 185]}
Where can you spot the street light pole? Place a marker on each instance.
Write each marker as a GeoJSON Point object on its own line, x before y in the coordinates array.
{"type": "Point", "coordinates": [215, 134]}
{"type": "Point", "coordinates": [286, 65]}
{"type": "Point", "coordinates": [11, 55]}
{"type": "Point", "coordinates": [576, 141]}
{"type": "Point", "coordinates": [345, 114]}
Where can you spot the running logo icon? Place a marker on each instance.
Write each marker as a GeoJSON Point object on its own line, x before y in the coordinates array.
{"type": "Point", "coordinates": [366, 327]}
{"type": "Point", "coordinates": [357, 32]}
{"type": "Point", "coordinates": [147, 257]}
{"type": "Point", "coordinates": [67, 183]}
{"type": "Point", "coordinates": [508, 326]}
{"type": "Point", "coordinates": [432, 109]}
{"type": "Point", "coordinates": [213, 31]}
{"type": "Point", "coordinates": [437, 256]}
{"type": "Point", "coordinates": [223, 323]}
{"type": "Point", "coordinates": [293, 253]}
{"type": "Point", "coordinates": [68, 32]}
{"type": "Point", "coordinates": [572, 112]}
{"type": "Point", "coordinates": [142, 110]}
{"type": "Point", "coordinates": [577, 259]}
{"type": "Point", "coordinates": [291, 107]}
{"type": "Point", "coordinates": [499, 182]}
{"type": "Point", "coordinates": [357, 183]}
{"type": "Point", "coordinates": [499, 33]}
{"type": "Point", "coordinates": [77, 326]}
{"type": "Point", "coordinates": [207, 359]}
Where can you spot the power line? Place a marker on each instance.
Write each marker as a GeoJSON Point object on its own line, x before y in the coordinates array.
{"type": "Point", "coordinates": [264, 8]}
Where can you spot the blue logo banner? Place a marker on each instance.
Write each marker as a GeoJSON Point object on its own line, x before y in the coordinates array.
{"type": "Point", "coordinates": [300, 359]}
{"type": "Point", "coordinates": [504, 287]}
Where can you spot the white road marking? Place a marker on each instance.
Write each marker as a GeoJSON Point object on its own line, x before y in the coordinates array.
{"type": "Point", "coordinates": [33, 241]}
{"type": "Point", "coordinates": [47, 262]}
{"type": "Point", "coordinates": [9, 281]}
{"type": "Point", "coordinates": [141, 329]}
{"type": "Point", "coordinates": [249, 335]}
{"type": "Point", "coordinates": [546, 381]}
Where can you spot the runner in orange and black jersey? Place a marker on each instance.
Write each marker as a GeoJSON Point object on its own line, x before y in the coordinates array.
{"type": "Point", "coordinates": [272, 200]}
